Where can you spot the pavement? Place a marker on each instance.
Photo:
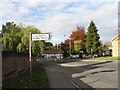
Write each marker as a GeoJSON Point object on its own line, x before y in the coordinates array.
{"type": "Point", "coordinates": [56, 78]}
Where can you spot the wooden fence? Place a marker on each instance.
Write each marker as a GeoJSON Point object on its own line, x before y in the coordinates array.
{"type": "Point", "coordinates": [14, 64]}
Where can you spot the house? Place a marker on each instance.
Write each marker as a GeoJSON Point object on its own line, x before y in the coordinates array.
{"type": "Point", "coordinates": [53, 53]}
{"type": "Point", "coordinates": [107, 51]}
{"type": "Point", "coordinates": [116, 46]}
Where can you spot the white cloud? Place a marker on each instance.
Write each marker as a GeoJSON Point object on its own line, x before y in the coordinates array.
{"type": "Point", "coordinates": [58, 21]}
{"type": "Point", "coordinates": [23, 10]}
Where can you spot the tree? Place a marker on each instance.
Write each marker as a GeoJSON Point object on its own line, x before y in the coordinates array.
{"type": "Point", "coordinates": [10, 40]}
{"type": "Point", "coordinates": [78, 38]}
{"type": "Point", "coordinates": [48, 45]}
{"type": "Point", "coordinates": [76, 43]}
{"type": "Point", "coordinates": [16, 38]}
{"type": "Point", "coordinates": [65, 48]}
{"type": "Point", "coordinates": [93, 43]}
{"type": "Point", "coordinates": [79, 34]}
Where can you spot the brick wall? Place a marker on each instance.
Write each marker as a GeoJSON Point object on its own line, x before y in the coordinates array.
{"type": "Point", "coordinates": [14, 64]}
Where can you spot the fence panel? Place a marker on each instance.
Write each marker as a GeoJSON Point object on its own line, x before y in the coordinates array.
{"type": "Point", "coordinates": [14, 64]}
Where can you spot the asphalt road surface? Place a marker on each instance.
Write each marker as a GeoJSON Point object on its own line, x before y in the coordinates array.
{"type": "Point", "coordinates": [82, 74]}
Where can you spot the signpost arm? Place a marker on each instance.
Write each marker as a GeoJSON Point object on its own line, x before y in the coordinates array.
{"type": "Point", "coordinates": [30, 41]}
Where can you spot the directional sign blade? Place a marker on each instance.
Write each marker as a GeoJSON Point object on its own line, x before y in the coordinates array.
{"type": "Point", "coordinates": [42, 36]}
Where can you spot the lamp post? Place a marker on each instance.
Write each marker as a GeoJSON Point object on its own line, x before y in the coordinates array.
{"type": "Point", "coordinates": [60, 51]}
{"type": "Point", "coordinates": [70, 47]}
{"type": "Point", "coordinates": [61, 47]}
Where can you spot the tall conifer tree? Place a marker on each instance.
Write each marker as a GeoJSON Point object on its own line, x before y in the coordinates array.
{"type": "Point", "coordinates": [93, 43]}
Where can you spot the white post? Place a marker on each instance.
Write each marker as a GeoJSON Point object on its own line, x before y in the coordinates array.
{"type": "Point", "coordinates": [30, 60]}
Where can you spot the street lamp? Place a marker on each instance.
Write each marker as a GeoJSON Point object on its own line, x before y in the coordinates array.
{"type": "Point", "coordinates": [61, 48]}
{"type": "Point", "coordinates": [70, 47]}
{"type": "Point", "coordinates": [60, 51]}
{"type": "Point", "coordinates": [91, 52]}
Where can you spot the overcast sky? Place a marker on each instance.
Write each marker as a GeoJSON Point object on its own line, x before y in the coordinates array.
{"type": "Point", "coordinates": [62, 16]}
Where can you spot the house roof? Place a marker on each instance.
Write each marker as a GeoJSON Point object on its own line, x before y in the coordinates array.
{"type": "Point", "coordinates": [116, 38]}
{"type": "Point", "coordinates": [53, 51]}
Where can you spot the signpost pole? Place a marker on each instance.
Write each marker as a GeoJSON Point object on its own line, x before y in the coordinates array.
{"type": "Point", "coordinates": [30, 54]}
{"type": "Point", "coordinates": [36, 37]}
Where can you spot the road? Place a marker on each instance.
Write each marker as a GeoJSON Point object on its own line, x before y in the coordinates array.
{"type": "Point", "coordinates": [82, 74]}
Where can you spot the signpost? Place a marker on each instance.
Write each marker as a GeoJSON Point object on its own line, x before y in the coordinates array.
{"type": "Point", "coordinates": [36, 37]}
{"type": "Point", "coordinates": [42, 36]}
{"type": "Point", "coordinates": [30, 43]}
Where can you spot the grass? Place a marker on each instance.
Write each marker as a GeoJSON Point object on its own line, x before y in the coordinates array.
{"type": "Point", "coordinates": [106, 58]}
{"type": "Point", "coordinates": [37, 80]}
{"type": "Point", "coordinates": [99, 58]}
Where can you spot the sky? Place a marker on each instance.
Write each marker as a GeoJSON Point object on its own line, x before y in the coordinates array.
{"type": "Point", "coordinates": [60, 17]}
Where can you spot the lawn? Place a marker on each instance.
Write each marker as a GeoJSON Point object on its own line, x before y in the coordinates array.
{"type": "Point", "coordinates": [37, 80]}
{"type": "Point", "coordinates": [106, 58]}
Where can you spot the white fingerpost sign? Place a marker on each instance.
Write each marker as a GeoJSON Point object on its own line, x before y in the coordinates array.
{"type": "Point", "coordinates": [36, 37]}
{"type": "Point", "coordinates": [42, 36]}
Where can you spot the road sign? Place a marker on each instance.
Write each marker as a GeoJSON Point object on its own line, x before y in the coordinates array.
{"type": "Point", "coordinates": [36, 37]}
{"type": "Point", "coordinates": [42, 36]}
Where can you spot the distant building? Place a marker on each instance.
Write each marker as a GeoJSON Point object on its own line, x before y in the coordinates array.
{"type": "Point", "coordinates": [116, 46]}
{"type": "Point", "coordinates": [53, 53]}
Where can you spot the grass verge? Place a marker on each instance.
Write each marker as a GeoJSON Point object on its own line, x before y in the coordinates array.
{"type": "Point", "coordinates": [37, 80]}
{"type": "Point", "coordinates": [98, 58]}
{"type": "Point", "coordinates": [106, 58]}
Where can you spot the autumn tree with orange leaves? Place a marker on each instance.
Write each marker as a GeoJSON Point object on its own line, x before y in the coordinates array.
{"type": "Point", "coordinates": [76, 42]}
{"type": "Point", "coordinates": [79, 34]}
